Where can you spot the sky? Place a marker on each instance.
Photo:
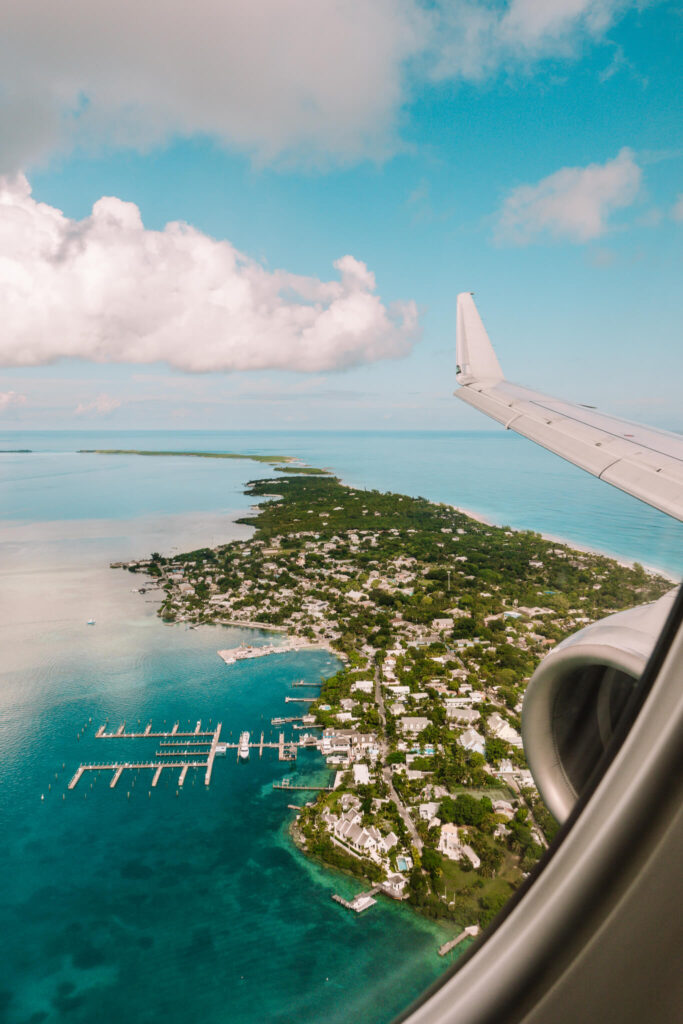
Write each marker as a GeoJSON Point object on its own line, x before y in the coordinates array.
{"type": "Point", "coordinates": [260, 215]}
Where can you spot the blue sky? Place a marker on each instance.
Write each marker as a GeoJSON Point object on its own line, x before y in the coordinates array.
{"type": "Point", "coordinates": [528, 151]}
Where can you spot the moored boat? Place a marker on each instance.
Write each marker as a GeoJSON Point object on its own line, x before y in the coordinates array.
{"type": "Point", "coordinates": [243, 748]}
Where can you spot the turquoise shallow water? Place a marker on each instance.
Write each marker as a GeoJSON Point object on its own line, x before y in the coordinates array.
{"type": "Point", "coordinates": [494, 473]}
{"type": "Point", "coordinates": [163, 907]}
{"type": "Point", "coordinates": [143, 908]}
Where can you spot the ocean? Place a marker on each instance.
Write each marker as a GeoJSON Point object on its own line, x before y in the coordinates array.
{"type": "Point", "coordinates": [141, 905]}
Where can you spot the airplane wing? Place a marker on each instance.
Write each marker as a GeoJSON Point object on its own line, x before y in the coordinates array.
{"type": "Point", "coordinates": [643, 461]}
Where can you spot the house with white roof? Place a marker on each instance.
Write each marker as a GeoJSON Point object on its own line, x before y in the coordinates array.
{"type": "Point", "coordinates": [394, 886]}
{"type": "Point", "coordinates": [413, 724]}
{"type": "Point", "coordinates": [363, 685]}
{"type": "Point", "coordinates": [502, 730]}
{"type": "Point", "coordinates": [455, 711]}
{"type": "Point", "coordinates": [428, 811]}
{"type": "Point", "coordinates": [451, 846]}
{"type": "Point", "coordinates": [472, 740]}
{"type": "Point", "coordinates": [389, 841]}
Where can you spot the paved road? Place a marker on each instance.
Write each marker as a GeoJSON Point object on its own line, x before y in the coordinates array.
{"type": "Point", "coordinates": [386, 772]}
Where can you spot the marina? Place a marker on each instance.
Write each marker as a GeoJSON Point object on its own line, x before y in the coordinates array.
{"type": "Point", "coordinates": [191, 749]}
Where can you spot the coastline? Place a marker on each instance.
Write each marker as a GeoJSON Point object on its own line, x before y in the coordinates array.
{"type": "Point", "coordinates": [626, 563]}
{"type": "Point", "coordinates": [266, 560]}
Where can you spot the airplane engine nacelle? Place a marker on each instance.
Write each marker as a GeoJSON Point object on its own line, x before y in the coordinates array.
{"type": "Point", "coordinates": [577, 694]}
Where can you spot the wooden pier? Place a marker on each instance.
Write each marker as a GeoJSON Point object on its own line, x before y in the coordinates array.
{"type": "Point", "coordinates": [286, 721]}
{"type": "Point", "coordinates": [300, 700]}
{"type": "Point", "coordinates": [467, 933]}
{"type": "Point", "coordinates": [285, 784]}
{"type": "Point", "coordinates": [286, 751]}
{"type": "Point", "coordinates": [212, 754]}
{"type": "Point", "coordinates": [147, 733]}
{"type": "Point", "coordinates": [184, 749]}
{"type": "Point", "coordinates": [119, 767]}
{"type": "Point", "coordinates": [360, 902]}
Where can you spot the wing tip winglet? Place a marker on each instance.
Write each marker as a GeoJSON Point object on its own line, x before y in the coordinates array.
{"type": "Point", "coordinates": [475, 355]}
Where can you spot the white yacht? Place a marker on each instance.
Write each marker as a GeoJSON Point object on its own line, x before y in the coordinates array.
{"type": "Point", "coordinates": [243, 748]}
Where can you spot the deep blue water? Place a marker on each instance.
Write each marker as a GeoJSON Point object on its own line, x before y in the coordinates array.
{"type": "Point", "coordinates": [169, 906]}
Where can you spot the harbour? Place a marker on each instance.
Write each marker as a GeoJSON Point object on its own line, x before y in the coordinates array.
{"type": "Point", "coordinates": [195, 749]}
{"type": "Point", "coordinates": [247, 652]}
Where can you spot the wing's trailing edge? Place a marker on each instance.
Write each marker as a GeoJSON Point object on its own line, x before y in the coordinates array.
{"type": "Point", "coordinates": [643, 461]}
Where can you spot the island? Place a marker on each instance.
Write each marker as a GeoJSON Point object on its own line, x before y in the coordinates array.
{"type": "Point", "coordinates": [194, 455]}
{"type": "Point", "coordinates": [439, 620]}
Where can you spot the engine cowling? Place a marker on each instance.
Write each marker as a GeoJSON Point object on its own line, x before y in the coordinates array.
{"type": "Point", "coordinates": [577, 694]}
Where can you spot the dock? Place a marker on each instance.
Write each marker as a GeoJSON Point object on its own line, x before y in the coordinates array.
{"type": "Point", "coordinates": [285, 751]}
{"type": "Point", "coordinates": [360, 902]}
{"type": "Point", "coordinates": [246, 651]}
{"type": "Point", "coordinates": [187, 748]}
{"type": "Point", "coordinates": [286, 721]}
{"type": "Point", "coordinates": [212, 754]}
{"type": "Point", "coordinates": [186, 743]}
{"type": "Point", "coordinates": [300, 682]}
{"type": "Point", "coordinates": [300, 700]}
{"type": "Point", "coordinates": [74, 781]}
{"type": "Point", "coordinates": [467, 933]}
{"type": "Point", "coordinates": [121, 733]}
{"type": "Point", "coordinates": [286, 784]}
{"type": "Point", "coordinates": [118, 768]}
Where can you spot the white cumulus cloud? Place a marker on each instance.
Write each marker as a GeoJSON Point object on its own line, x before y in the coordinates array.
{"type": "Point", "coordinates": [10, 398]}
{"type": "Point", "coordinates": [305, 80]}
{"type": "Point", "coordinates": [103, 405]}
{"type": "Point", "coordinates": [107, 289]}
{"type": "Point", "coordinates": [574, 203]}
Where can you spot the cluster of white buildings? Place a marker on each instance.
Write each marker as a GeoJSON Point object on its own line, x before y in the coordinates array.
{"type": "Point", "coordinates": [342, 747]}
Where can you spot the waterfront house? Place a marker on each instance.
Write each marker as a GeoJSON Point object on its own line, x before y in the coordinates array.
{"type": "Point", "coordinates": [394, 886]}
